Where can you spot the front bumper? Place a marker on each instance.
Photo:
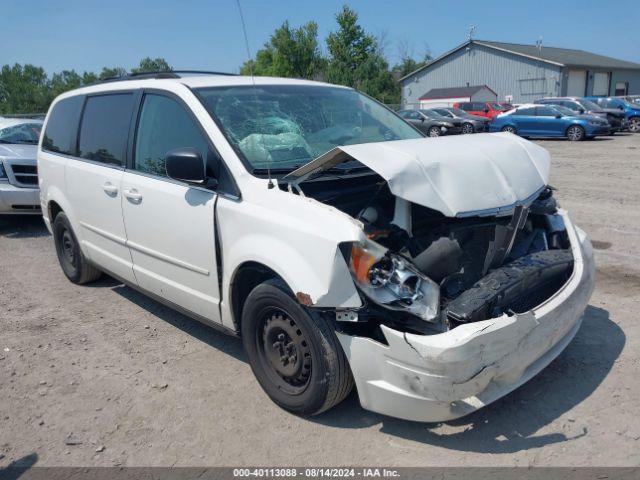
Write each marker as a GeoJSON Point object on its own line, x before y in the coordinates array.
{"type": "Point", "coordinates": [592, 130]}
{"type": "Point", "coordinates": [440, 377]}
{"type": "Point", "coordinates": [19, 200]}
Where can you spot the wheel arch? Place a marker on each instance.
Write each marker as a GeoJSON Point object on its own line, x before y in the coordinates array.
{"type": "Point", "coordinates": [245, 278]}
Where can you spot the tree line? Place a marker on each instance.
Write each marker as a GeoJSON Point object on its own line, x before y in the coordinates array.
{"type": "Point", "coordinates": [353, 57]}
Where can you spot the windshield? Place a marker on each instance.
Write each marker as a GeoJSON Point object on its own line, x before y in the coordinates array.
{"type": "Point", "coordinates": [284, 126]}
{"type": "Point", "coordinates": [432, 114]}
{"type": "Point", "coordinates": [444, 113]}
{"type": "Point", "coordinates": [564, 110]}
{"type": "Point", "coordinates": [21, 133]}
{"type": "Point", "coordinates": [588, 104]}
{"type": "Point", "coordinates": [496, 106]}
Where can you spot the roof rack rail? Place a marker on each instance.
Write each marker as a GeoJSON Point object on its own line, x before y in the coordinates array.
{"type": "Point", "coordinates": [161, 74]}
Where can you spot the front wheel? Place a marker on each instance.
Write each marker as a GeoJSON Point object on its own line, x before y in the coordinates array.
{"type": "Point", "coordinates": [509, 128]}
{"type": "Point", "coordinates": [294, 353]}
{"type": "Point", "coordinates": [467, 128]}
{"type": "Point", "coordinates": [434, 132]}
{"type": "Point", "coordinates": [634, 124]}
{"type": "Point", "coordinates": [575, 133]}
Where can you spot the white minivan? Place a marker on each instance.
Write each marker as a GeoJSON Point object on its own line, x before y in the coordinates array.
{"type": "Point", "coordinates": [338, 242]}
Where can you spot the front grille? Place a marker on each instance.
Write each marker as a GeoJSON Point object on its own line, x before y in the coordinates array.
{"type": "Point", "coordinates": [26, 175]}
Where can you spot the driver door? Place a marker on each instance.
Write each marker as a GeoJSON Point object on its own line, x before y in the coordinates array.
{"type": "Point", "coordinates": [170, 224]}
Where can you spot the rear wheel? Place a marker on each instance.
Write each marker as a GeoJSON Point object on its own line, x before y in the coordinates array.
{"type": "Point", "coordinates": [74, 264]}
{"type": "Point", "coordinates": [434, 132]}
{"type": "Point", "coordinates": [467, 128]}
{"type": "Point", "coordinates": [294, 353]}
{"type": "Point", "coordinates": [634, 124]}
{"type": "Point", "coordinates": [510, 129]}
{"type": "Point", "coordinates": [575, 133]}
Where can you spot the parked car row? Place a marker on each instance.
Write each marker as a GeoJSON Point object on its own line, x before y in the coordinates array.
{"type": "Point", "coordinates": [575, 118]}
{"type": "Point", "coordinates": [445, 121]}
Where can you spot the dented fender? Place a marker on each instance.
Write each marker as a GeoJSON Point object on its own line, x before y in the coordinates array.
{"type": "Point", "coordinates": [296, 237]}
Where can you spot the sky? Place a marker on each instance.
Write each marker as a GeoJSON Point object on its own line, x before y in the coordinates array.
{"type": "Point", "coordinates": [207, 34]}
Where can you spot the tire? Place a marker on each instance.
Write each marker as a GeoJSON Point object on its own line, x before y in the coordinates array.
{"type": "Point", "coordinates": [434, 132]}
{"type": "Point", "coordinates": [293, 352]}
{"type": "Point", "coordinates": [510, 129]}
{"type": "Point", "coordinates": [575, 133]}
{"type": "Point", "coordinates": [467, 128]}
{"type": "Point", "coordinates": [634, 124]}
{"type": "Point", "coordinates": [74, 264]}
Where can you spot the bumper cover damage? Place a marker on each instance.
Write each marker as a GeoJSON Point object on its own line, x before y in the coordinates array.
{"type": "Point", "coordinates": [449, 375]}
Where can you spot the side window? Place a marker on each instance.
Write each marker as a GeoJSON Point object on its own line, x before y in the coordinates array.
{"type": "Point", "coordinates": [164, 125]}
{"type": "Point", "coordinates": [479, 107]}
{"type": "Point", "coordinates": [545, 112]}
{"type": "Point", "coordinates": [105, 127]}
{"type": "Point", "coordinates": [525, 111]}
{"type": "Point", "coordinates": [62, 126]}
{"type": "Point", "coordinates": [465, 107]}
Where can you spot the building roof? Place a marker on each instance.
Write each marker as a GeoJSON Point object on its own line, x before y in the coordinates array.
{"type": "Point", "coordinates": [563, 57]}
{"type": "Point", "coordinates": [455, 92]}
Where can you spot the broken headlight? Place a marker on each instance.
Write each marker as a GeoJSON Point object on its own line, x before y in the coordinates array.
{"type": "Point", "coordinates": [393, 282]}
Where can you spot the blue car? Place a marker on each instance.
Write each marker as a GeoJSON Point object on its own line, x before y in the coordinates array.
{"type": "Point", "coordinates": [631, 110]}
{"type": "Point", "coordinates": [532, 120]}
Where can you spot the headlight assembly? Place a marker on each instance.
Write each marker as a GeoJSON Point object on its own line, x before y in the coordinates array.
{"type": "Point", "coordinates": [393, 282]}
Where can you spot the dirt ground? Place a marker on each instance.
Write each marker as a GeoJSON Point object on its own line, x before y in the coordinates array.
{"type": "Point", "coordinates": [101, 375]}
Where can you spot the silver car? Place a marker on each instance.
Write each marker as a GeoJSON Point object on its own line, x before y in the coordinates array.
{"type": "Point", "coordinates": [18, 171]}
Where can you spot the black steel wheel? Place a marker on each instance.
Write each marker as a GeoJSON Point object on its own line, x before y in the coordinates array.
{"type": "Point", "coordinates": [293, 352]}
{"type": "Point", "coordinates": [434, 131]}
{"type": "Point", "coordinates": [73, 263]}
{"type": "Point", "coordinates": [575, 133]}
{"type": "Point", "coordinates": [284, 352]}
{"type": "Point", "coordinates": [467, 128]}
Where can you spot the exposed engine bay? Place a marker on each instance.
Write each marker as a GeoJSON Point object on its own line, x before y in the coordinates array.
{"type": "Point", "coordinates": [424, 272]}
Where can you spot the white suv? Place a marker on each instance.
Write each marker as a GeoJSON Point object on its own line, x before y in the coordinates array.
{"type": "Point", "coordinates": [337, 241]}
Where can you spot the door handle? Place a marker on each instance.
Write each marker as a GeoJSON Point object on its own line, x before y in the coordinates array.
{"type": "Point", "coordinates": [110, 189]}
{"type": "Point", "coordinates": [132, 195]}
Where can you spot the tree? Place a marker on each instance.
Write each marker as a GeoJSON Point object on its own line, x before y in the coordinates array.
{"type": "Point", "coordinates": [290, 52]}
{"type": "Point", "coordinates": [111, 72]}
{"type": "Point", "coordinates": [148, 64]}
{"type": "Point", "coordinates": [63, 82]}
{"type": "Point", "coordinates": [25, 89]}
{"type": "Point", "coordinates": [356, 59]}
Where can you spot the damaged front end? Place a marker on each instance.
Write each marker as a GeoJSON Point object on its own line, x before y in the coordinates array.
{"type": "Point", "coordinates": [469, 288]}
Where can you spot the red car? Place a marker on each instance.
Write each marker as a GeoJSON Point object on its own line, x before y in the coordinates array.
{"type": "Point", "coordinates": [484, 109]}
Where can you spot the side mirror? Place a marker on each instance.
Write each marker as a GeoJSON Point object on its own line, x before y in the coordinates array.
{"type": "Point", "coordinates": [558, 115]}
{"type": "Point", "coordinates": [486, 110]}
{"type": "Point", "coordinates": [581, 111]}
{"type": "Point", "coordinates": [422, 119]}
{"type": "Point", "coordinates": [185, 164]}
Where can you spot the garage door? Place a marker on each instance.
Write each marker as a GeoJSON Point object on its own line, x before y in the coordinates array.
{"type": "Point", "coordinates": [577, 83]}
{"type": "Point", "coordinates": [601, 83]}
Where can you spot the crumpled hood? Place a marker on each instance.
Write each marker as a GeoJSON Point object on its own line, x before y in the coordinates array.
{"type": "Point", "coordinates": [458, 176]}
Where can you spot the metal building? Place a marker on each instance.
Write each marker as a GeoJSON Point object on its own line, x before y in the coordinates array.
{"type": "Point", "coordinates": [447, 97]}
{"type": "Point", "coordinates": [522, 73]}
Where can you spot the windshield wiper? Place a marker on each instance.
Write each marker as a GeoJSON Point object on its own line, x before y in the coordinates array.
{"type": "Point", "coordinates": [274, 171]}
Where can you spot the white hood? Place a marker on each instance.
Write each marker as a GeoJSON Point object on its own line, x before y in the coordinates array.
{"type": "Point", "coordinates": [458, 176]}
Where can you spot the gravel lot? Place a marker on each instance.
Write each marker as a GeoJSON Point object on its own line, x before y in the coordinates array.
{"type": "Point", "coordinates": [101, 375]}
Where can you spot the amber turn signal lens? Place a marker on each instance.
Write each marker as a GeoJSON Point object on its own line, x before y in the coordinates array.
{"type": "Point", "coordinates": [361, 263]}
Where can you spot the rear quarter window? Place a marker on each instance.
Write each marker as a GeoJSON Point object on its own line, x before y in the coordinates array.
{"type": "Point", "coordinates": [62, 126]}
{"type": "Point", "coordinates": [104, 128]}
